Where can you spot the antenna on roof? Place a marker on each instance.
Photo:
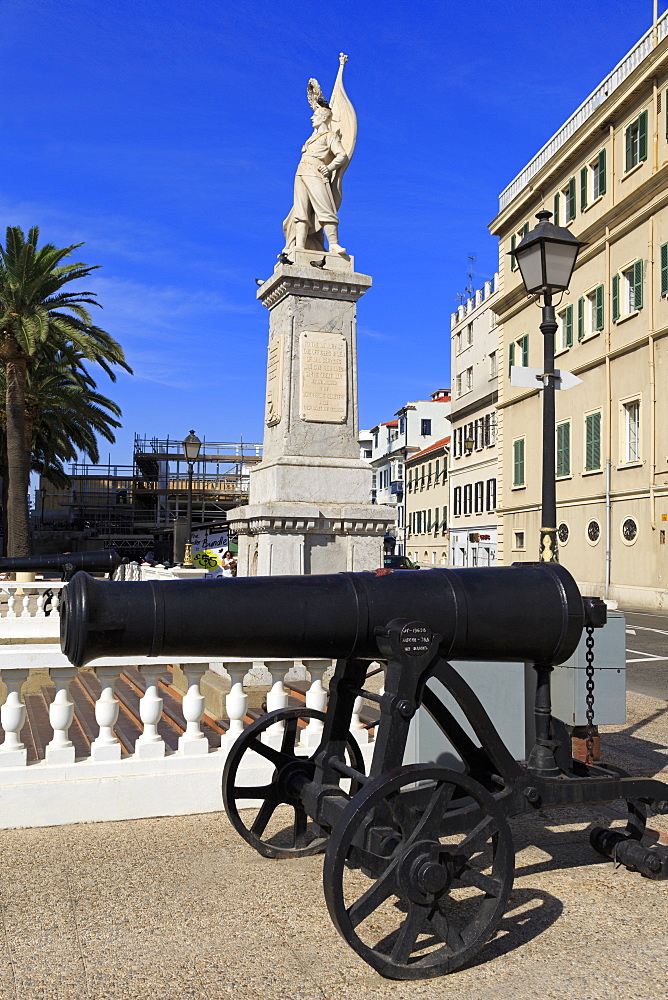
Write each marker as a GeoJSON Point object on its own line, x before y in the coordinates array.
{"type": "Point", "coordinates": [470, 288]}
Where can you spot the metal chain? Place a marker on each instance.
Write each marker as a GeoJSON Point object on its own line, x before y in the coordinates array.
{"type": "Point", "coordinates": [589, 657]}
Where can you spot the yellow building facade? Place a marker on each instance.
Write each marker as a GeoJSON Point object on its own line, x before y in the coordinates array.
{"type": "Point", "coordinates": [605, 176]}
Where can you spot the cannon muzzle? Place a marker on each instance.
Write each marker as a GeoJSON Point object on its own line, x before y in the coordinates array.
{"type": "Point", "coordinates": [67, 563]}
{"type": "Point", "coordinates": [528, 611]}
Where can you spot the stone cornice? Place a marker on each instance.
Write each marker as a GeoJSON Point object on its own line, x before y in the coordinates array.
{"type": "Point", "coordinates": [261, 523]}
{"type": "Point", "coordinates": [291, 279]}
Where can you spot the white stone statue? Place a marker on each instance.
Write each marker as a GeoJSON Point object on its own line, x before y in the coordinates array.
{"type": "Point", "coordinates": [325, 156]}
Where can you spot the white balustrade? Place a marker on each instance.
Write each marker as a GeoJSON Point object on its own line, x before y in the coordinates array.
{"type": "Point", "coordinates": [150, 745]}
{"type": "Point", "coordinates": [316, 698]}
{"type": "Point", "coordinates": [106, 746]}
{"type": "Point", "coordinates": [236, 702]}
{"type": "Point", "coordinates": [277, 697]}
{"type": "Point", "coordinates": [13, 752]}
{"type": "Point", "coordinates": [193, 741]}
{"type": "Point", "coordinates": [61, 715]}
{"type": "Point", "coordinates": [31, 610]}
{"type": "Point", "coordinates": [157, 781]}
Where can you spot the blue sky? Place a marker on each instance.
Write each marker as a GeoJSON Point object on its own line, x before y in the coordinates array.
{"type": "Point", "coordinates": [165, 136]}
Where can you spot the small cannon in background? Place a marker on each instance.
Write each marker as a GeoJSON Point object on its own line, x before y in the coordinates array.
{"type": "Point", "coordinates": [66, 563]}
{"type": "Point", "coordinates": [419, 859]}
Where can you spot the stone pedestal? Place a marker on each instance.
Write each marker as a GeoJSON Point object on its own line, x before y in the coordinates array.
{"type": "Point", "coordinates": [309, 509]}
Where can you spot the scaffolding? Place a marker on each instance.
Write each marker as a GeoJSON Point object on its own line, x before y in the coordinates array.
{"type": "Point", "coordinates": [126, 506]}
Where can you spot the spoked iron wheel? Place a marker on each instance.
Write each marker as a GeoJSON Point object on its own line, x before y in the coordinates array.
{"type": "Point", "coordinates": [439, 853]}
{"type": "Point", "coordinates": [272, 817]}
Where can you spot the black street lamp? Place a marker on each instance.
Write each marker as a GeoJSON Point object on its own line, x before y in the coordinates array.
{"type": "Point", "coordinates": [191, 449]}
{"type": "Point", "coordinates": [546, 257]}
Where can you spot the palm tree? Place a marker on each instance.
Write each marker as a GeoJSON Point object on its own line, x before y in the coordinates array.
{"type": "Point", "coordinates": [35, 311]}
{"type": "Point", "coordinates": [64, 413]}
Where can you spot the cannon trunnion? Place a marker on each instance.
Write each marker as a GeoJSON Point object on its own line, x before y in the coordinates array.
{"type": "Point", "coordinates": [419, 859]}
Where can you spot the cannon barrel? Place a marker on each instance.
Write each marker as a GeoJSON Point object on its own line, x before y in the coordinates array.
{"type": "Point", "coordinates": [68, 563]}
{"type": "Point", "coordinates": [528, 611]}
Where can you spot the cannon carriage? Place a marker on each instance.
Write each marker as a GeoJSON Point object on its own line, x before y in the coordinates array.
{"type": "Point", "coordinates": [419, 858]}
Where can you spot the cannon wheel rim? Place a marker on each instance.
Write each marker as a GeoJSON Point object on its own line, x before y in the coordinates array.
{"type": "Point", "coordinates": [394, 960]}
{"type": "Point", "coordinates": [286, 762]}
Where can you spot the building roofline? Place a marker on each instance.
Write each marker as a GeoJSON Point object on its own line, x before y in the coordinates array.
{"type": "Point", "coordinates": [602, 93]}
{"type": "Point", "coordinates": [432, 447]}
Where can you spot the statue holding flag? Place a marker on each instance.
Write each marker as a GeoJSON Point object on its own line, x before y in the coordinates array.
{"type": "Point", "coordinates": [325, 156]}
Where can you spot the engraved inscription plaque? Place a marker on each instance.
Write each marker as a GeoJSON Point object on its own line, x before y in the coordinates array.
{"type": "Point", "coordinates": [324, 377]}
{"type": "Point", "coordinates": [275, 381]}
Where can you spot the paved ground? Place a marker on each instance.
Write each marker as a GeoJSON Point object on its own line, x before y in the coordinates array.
{"type": "Point", "coordinates": [647, 653]}
{"type": "Point", "coordinates": [179, 908]}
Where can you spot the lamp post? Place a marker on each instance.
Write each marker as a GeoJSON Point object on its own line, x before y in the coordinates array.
{"type": "Point", "coordinates": [546, 258]}
{"type": "Point", "coordinates": [191, 449]}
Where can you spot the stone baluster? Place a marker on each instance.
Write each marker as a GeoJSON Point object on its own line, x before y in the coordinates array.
{"type": "Point", "coordinates": [27, 591]}
{"type": "Point", "coordinates": [61, 713]}
{"type": "Point", "coordinates": [11, 603]}
{"type": "Point", "coordinates": [55, 602]}
{"type": "Point", "coordinates": [316, 698]}
{"type": "Point", "coordinates": [40, 613]}
{"type": "Point", "coordinates": [150, 744]}
{"type": "Point", "coordinates": [357, 727]}
{"type": "Point", "coordinates": [193, 741]}
{"type": "Point", "coordinates": [106, 747]}
{"type": "Point", "coordinates": [236, 703]}
{"type": "Point", "coordinates": [277, 697]}
{"type": "Point", "coordinates": [13, 752]}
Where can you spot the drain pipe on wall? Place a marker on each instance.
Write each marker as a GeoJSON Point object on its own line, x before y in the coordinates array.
{"type": "Point", "coordinates": [607, 528]}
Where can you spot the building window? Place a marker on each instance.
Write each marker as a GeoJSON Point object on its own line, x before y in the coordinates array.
{"type": "Point", "coordinates": [564, 449]}
{"type": "Point", "coordinates": [458, 441]}
{"type": "Point", "coordinates": [632, 429]}
{"type": "Point", "coordinates": [493, 365]}
{"type": "Point", "coordinates": [627, 291]}
{"type": "Point", "coordinates": [636, 141]}
{"type": "Point", "coordinates": [518, 462]}
{"type": "Point", "coordinates": [593, 442]}
{"type": "Point", "coordinates": [402, 425]}
{"type": "Point", "coordinates": [518, 353]}
{"type": "Point", "coordinates": [425, 428]}
{"type": "Point", "coordinates": [568, 199]}
{"type": "Point", "coordinates": [491, 494]}
{"type": "Point", "coordinates": [468, 498]}
{"type": "Point", "coordinates": [436, 522]}
{"type": "Point", "coordinates": [445, 519]}
{"type": "Point", "coordinates": [464, 382]}
{"type": "Point", "coordinates": [514, 240]}
{"type": "Point", "coordinates": [518, 538]}
{"type": "Point", "coordinates": [566, 327]}
{"type": "Point", "coordinates": [469, 335]}
{"type": "Point", "coordinates": [664, 268]}
{"type": "Point", "coordinates": [629, 530]}
{"type": "Point", "coordinates": [457, 500]}
{"type": "Point", "coordinates": [597, 174]}
{"type": "Point", "coordinates": [479, 489]}
{"type": "Point", "coordinates": [563, 532]}
{"type": "Point", "coordinates": [593, 532]}
{"type": "Point", "coordinates": [489, 431]}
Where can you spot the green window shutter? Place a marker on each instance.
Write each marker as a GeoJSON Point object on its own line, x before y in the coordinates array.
{"type": "Point", "coordinates": [615, 298]}
{"type": "Point", "coordinates": [568, 326]}
{"type": "Point", "coordinates": [429, 520]}
{"type": "Point", "coordinates": [524, 344]}
{"type": "Point", "coordinates": [525, 229]}
{"type": "Point", "coordinates": [581, 318]}
{"type": "Point", "coordinates": [599, 308]}
{"type": "Point", "coordinates": [564, 449]}
{"type": "Point", "coordinates": [629, 147]}
{"type": "Point", "coordinates": [583, 189]}
{"type": "Point", "coordinates": [637, 282]}
{"type": "Point", "coordinates": [436, 509]}
{"type": "Point", "coordinates": [555, 218]}
{"type": "Point", "coordinates": [593, 442]}
{"type": "Point", "coordinates": [511, 357]}
{"type": "Point", "coordinates": [642, 136]}
{"type": "Point", "coordinates": [518, 462]}
{"type": "Point", "coordinates": [664, 268]}
{"type": "Point", "coordinates": [571, 200]}
{"type": "Point", "coordinates": [513, 243]}
{"type": "Point", "coordinates": [601, 172]}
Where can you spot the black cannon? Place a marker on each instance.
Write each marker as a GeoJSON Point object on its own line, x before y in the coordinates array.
{"type": "Point", "coordinates": [66, 563]}
{"type": "Point", "coordinates": [419, 859]}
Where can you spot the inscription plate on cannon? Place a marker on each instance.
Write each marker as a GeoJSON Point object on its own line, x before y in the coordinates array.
{"type": "Point", "coordinates": [324, 377]}
{"type": "Point", "coordinates": [415, 638]}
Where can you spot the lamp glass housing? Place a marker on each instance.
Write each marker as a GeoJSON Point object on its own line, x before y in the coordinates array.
{"type": "Point", "coordinates": [546, 257]}
{"type": "Point", "coordinates": [191, 447]}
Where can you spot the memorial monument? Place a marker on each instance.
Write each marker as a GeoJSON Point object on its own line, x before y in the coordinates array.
{"type": "Point", "coordinates": [309, 507]}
